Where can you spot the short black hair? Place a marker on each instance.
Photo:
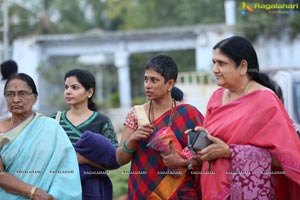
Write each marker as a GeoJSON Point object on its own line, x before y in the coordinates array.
{"type": "Point", "coordinates": [8, 68]}
{"type": "Point", "coordinates": [164, 65]}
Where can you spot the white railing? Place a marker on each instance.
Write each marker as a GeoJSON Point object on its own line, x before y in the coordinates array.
{"type": "Point", "coordinates": [195, 78]}
{"type": "Point", "coordinates": [197, 88]}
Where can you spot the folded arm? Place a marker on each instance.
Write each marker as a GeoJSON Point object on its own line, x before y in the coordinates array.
{"type": "Point", "coordinates": [83, 160]}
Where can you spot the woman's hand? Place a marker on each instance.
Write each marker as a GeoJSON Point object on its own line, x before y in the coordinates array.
{"type": "Point", "coordinates": [129, 139]}
{"type": "Point", "coordinates": [197, 128]}
{"type": "Point", "coordinates": [142, 133]}
{"type": "Point", "coordinates": [83, 160]}
{"type": "Point", "coordinates": [218, 149]}
{"type": "Point", "coordinates": [42, 195]}
{"type": "Point", "coordinates": [172, 160]}
{"type": "Point", "coordinates": [15, 186]}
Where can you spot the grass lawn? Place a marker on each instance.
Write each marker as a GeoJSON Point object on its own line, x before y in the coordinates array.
{"type": "Point", "coordinates": [119, 179]}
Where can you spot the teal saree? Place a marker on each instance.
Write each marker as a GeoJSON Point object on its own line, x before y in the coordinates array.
{"type": "Point", "coordinates": [39, 152]}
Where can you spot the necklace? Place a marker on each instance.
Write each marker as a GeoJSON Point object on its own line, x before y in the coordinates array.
{"type": "Point", "coordinates": [244, 92]}
{"type": "Point", "coordinates": [151, 113]}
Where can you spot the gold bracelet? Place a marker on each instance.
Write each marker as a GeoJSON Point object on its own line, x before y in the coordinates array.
{"type": "Point", "coordinates": [32, 191]}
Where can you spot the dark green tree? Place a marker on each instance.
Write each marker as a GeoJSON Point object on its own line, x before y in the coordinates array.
{"type": "Point", "coordinates": [140, 14]}
{"type": "Point", "coordinates": [268, 23]}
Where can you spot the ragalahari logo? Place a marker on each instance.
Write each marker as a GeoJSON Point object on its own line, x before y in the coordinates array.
{"type": "Point", "coordinates": [246, 8]}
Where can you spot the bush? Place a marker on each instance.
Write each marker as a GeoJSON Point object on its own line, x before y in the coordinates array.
{"type": "Point", "coordinates": [119, 179]}
{"type": "Point", "coordinates": [139, 100]}
{"type": "Point", "coordinates": [115, 100]}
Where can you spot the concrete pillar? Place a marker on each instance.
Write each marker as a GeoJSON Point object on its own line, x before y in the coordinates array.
{"type": "Point", "coordinates": [203, 55]}
{"type": "Point", "coordinates": [5, 30]}
{"type": "Point", "coordinates": [28, 56]}
{"type": "Point", "coordinates": [230, 12]}
{"type": "Point", "coordinates": [122, 64]}
{"type": "Point", "coordinates": [99, 83]}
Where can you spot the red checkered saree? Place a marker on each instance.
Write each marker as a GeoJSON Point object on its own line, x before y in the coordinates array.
{"type": "Point", "coordinates": [147, 169]}
{"type": "Point", "coordinates": [258, 119]}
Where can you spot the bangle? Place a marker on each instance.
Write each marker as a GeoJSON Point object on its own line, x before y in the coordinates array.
{"type": "Point", "coordinates": [124, 147]}
{"type": "Point", "coordinates": [32, 192]}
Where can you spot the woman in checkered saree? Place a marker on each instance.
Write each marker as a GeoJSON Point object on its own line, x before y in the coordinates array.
{"type": "Point", "coordinates": [153, 174]}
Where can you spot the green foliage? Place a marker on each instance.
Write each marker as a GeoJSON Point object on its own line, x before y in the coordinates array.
{"type": "Point", "coordinates": [262, 23]}
{"type": "Point", "coordinates": [115, 100]}
{"type": "Point", "coordinates": [74, 19]}
{"type": "Point", "coordinates": [101, 105]}
{"type": "Point", "coordinates": [185, 61]}
{"type": "Point", "coordinates": [119, 179]}
{"type": "Point", "coordinates": [31, 17]}
{"type": "Point", "coordinates": [137, 62]}
{"type": "Point", "coordinates": [109, 87]}
{"type": "Point", "coordinates": [252, 26]}
{"type": "Point", "coordinates": [294, 25]}
{"type": "Point", "coordinates": [55, 70]}
{"type": "Point", "coordinates": [140, 14]}
{"type": "Point", "coordinates": [48, 17]}
{"type": "Point", "coordinates": [139, 100]}
{"type": "Point", "coordinates": [53, 73]}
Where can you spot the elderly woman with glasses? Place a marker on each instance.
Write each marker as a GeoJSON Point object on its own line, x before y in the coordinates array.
{"type": "Point", "coordinates": [36, 156]}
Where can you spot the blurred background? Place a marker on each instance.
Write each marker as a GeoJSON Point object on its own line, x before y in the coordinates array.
{"type": "Point", "coordinates": [115, 38]}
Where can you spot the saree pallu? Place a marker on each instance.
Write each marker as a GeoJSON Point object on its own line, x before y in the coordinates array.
{"type": "Point", "coordinates": [147, 168]}
{"type": "Point", "coordinates": [42, 155]}
{"type": "Point", "coordinates": [258, 119]}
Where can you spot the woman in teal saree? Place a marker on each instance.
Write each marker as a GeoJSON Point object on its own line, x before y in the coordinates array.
{"type": "Point", "coordinates": [37, 158]}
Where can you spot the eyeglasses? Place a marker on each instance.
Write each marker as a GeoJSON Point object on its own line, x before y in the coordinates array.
{"type": "Point", "coordinates": [20, 94]}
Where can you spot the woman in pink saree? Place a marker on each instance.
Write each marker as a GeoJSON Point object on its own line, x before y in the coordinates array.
{"type": "Point", "coordinates": [248, 125]}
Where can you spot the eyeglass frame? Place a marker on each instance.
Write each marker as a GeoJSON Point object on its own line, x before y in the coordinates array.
{"type": "Point", "coordinates": [21, 94]}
